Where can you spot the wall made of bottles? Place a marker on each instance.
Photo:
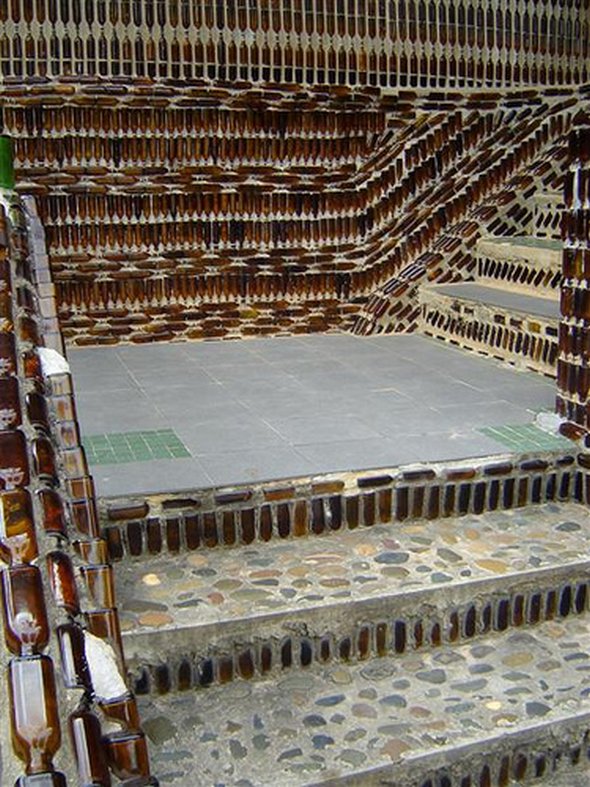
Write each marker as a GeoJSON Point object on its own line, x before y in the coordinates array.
{"type": "Point", "coordinates": [386, 43]}
{"type": "Point", "coordinates": [573, 370]}
{"type": "Point", "coordinates": [203, 212]}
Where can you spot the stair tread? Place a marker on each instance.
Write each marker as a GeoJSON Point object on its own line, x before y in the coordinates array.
{"type": "Point", "coordinates": [510, 300]}
{"type": "Point", "coordinates": [326, 574]}
{"type": "Point", "coordinates": [536, 250]}
{"type": "Point", "coordinates": [393, 717]}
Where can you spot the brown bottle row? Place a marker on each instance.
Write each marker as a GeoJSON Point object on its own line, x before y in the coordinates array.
{"type": "Point", "coordinates": [136, 151]}
{"type": "Point", "coordinates": [58, 57]}
{"type": "Point", "coordinates": [72, 119]}
{"type": "Point", "coordinates": [409, 20]}
{"type": "Point", "coordinates": [205, 234]}
{"type": "Point", "coordinates": [89, 295]}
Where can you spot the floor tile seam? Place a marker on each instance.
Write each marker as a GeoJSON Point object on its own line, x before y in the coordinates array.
{"type": "Point", "coordinates": [372, 606]}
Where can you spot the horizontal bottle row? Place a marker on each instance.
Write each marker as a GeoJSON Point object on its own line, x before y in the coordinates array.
{"type": "Point", "coordinates": [311, 67]}
{"type": "Point", "coordinates": [325, 16]}
{"type": "Point", "coordinates": [170, 121]}
{"type": "Point", "coordinates": [136, 151]}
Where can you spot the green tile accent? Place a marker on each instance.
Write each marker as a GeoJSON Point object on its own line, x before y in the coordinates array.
{"type": "Point", "coordinates": [525, 437]}
{"type": "Point", "coordinates": [120, 447]}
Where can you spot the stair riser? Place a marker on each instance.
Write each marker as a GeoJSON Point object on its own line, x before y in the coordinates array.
{"type": "Point", "coordinates": [537, 754]}
{"type": "Point", "coordinates": [141, 528]}
{"type": "Point", "coordinates": [519, 275]}
{"type": "Point", "coordinates": [265, 645]}
{"type": "Point", "coordinates": [526, 342]}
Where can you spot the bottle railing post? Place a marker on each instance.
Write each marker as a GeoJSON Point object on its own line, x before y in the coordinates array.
{"type": "Point", "coordinates": [6, 163]}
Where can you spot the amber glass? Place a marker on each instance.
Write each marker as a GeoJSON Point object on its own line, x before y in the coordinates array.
{"type": "Point", "coordinates": [94, 550]}
{"type": "Point", "coordinates": [10, 414]}
{"type": "Point", "coordinates": [74, 666]}
{"type": "Point", "coordinates": [79, 488]}
{"type": "Point", "coordinates": [100, 584]}
{"type": "Point", "coordinates": [32, 366]}
{"type": "Point", "coordinates": [5, 311]}
{"type": "Point", "coordinates": [123, 710]}
{"type": "Point", "coordinates": [33, 712]}
{"type": "Point", "coordinates": [37, 410]}
{"type": "Point", "coordinates": [23, 607]}
{"type": "Point", "coordinates": [14, 467]}
{"type": "Point", "coordinates": [44, 458]}
{"type": "Point", "coordinates": [89, 751]}
{"type": "Point", "coordinates": [7, 354]}
{"type": "Point", "coordinates": [127, 754]}
{"type": "Point", "coordinates": [104, 623]}
{"type": "Point", "coordinates": [53, 511]}
{"type": "Point", "coordinates": [74, 460]}
{"type": "Point", "coordinates": [18, 543]}
{"type": "Point", "coordinates": [85, 517]}
{"type": "Point", "coordinates": [28, 331]}
{"type": "Point", "coordinates": [63, 582]}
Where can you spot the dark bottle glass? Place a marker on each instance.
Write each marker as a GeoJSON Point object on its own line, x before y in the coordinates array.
{"type": "Point", "coordinates": [44, 458]}
{"type": "Point", "coordinates": [74, 666]}
{"type": "Point", "coordinates": [18, 543]}
{"type": "Point", "coordinates": [104, 623]}
{"type": "Point", "coordinates": [14, 468]}
{"type": "Point", "coordinates": [123, 710]}
{"type": "Point", "coordinates": [93, 550]}
{"type": "Point", "coordinates": [34, 715]}
{"type": "Point", "coordinates": [10, 413]}
{"type": "Point", "coordinates": [100, 583]}
{"type": "Point", "coordinates": [63, 582]}
{"type": "Point", "coordinates": [26, 629]}
{"type": "Point", "coordinates": [127, 754]}
{"type": "Point", "coordinates": [89, 752]}
{"type": "Point", "coordinates": [7, 354]}
{"type": "Point", "coordinates": [53, 511]}
{"type": "Point", "coordinates": [85, 517]}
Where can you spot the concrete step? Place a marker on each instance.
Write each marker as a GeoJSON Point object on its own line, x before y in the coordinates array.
{"type": "Point", "coordinates": [512, 326]}
{"type": "Point", "coordinates": [511, 709]}
{"type": "Point", "coordinates": [191, 620]}
{"type": "Point", "coordinates": [526, 264]}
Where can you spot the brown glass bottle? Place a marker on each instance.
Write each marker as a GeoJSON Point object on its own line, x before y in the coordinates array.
{"type": "Point", "coordinates": [62, 581]}
{"type": "Point", "coordinates": [18, 543]}
{"type": "Point", "coordinates": [85, 734]}
{"type": "Point", "coordinates": [74, 667]}
{"type": "Point", "coordinates": [33, 712]}
{"type": "Point", "coordinates": [127, 754]}
{"type": "Point", "coordinates": [26, 629]}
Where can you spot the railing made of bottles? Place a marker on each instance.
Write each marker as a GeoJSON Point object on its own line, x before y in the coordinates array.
{"type": "Point", "coordinates": [375, 42]}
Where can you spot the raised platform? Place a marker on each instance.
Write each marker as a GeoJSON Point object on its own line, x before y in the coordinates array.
{"type": "Point", "coordinates": [264, 409]}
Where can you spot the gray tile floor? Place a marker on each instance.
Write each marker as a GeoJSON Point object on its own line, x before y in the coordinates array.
{"type": "Point", "coordinates": [271, 408]}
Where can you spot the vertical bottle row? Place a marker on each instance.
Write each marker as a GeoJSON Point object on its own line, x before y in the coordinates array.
{"type": "Point", "coordinates": [573, 369]}
{"type": "Point", "coordinates": [70, 519]}
{"type": "Point", "coordinates": [34, 718]}
{"type": "Point", "coordinates": [413, 43]}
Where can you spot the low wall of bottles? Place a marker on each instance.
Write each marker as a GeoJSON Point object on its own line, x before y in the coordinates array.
{"type": "Point", "coordinates": [385, 43]}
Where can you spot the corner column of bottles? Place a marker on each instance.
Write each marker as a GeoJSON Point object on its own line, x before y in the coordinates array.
{"type": "Point", "coordinates": [26, 467]}
{"type": "Point", "coordinates": [573, 368]}
{"type": "Point", "coordinates": [48, 516]}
